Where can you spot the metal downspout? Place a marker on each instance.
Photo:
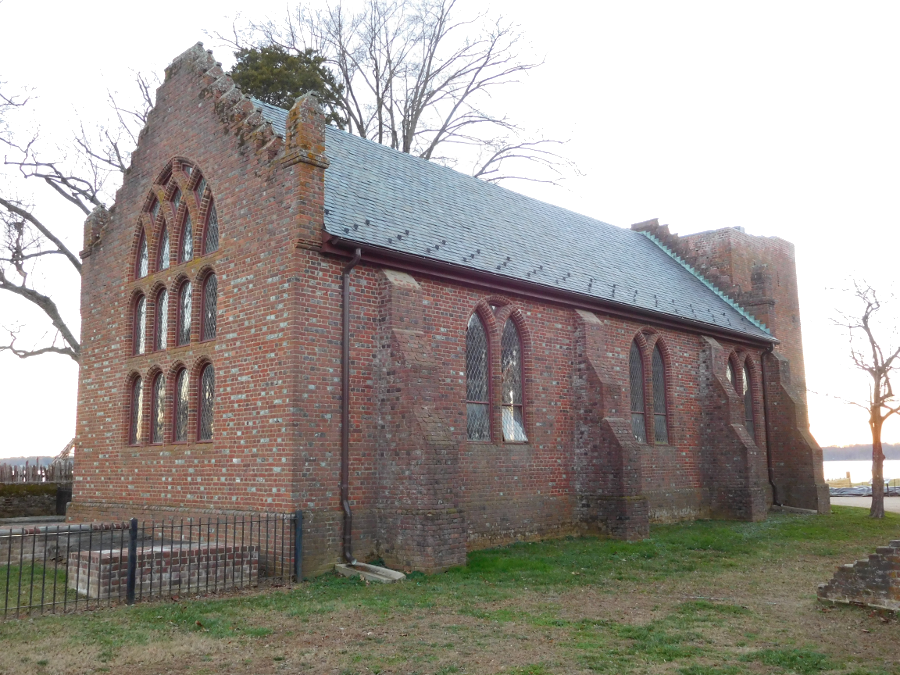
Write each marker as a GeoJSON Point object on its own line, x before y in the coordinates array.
{"type": "Point", "coordinates": [345, 408]}
{"type": "Point", "coordinates": [765, 389]}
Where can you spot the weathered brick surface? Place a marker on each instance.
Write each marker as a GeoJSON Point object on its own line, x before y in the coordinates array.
{"type": "Point", "coordinates": [27, 499]}
{"type": "Point", "coordinates": [874, 582]}
{"type": "Point", "coordinates": [421, 493]}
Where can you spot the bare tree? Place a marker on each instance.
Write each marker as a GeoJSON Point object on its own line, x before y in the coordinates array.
{"type": "Point", "coordinates": [419, 79]}
{"type": "Point", "coordinates": [869, 356]}
{"type": "Point", "coordinates": [84, 174]}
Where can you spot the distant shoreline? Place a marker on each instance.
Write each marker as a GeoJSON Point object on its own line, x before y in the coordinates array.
{"type": "Point", "coordinates": [858, 452]}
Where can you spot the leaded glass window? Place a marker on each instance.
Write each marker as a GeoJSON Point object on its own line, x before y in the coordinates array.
{"type": "Point", "coordinates": [660, 428]}
{"type": "Point", "coordinates": [187, 240]}
{"type": "Point", "coordinates": [210, 300]}
{"type": "Point", "coordinates": [176, 199]}
{"type": "Point", "coordinates": [513, 415]}
{"type": "Point", "coordinates": [140, 325]}
{"type": "Point", "coordinates": [478, 422]}
{"type": "Point", "coordinates": [154, 210]}
{"type": "Point", "coordinates": [161, 324]}
{"type": "Point", "coordinates": [747, 391]}
{"type": "Point", "coordinates": [163, 263]}
{"type": "Point", "coordinates": [184, 314]}
{"type": "Point", "coordinates": [180, 417]}
{"type": "Point", "coordinates": [135, 433]}
{"type": "Point", "coordinates": [157, 406]}
{"type": "Point", "coordinates": [142, 261]}
{"type": "Point", "coordinates": [636, 379]}
{"type": "Point", "coordinates": [207, 399]}
{"type": "Point", "coordinates": [731, 376]}
{"type": "Point", "coordinates": [211, 238]}
{"type": "Point", "coordinates": [200, 189]}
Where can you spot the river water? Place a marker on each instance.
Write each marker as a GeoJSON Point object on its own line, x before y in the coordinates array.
{"type": "Point", "coordinates": [860, 470]}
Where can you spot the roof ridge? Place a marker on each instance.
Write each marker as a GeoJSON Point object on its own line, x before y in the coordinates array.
{"type": "Point", "coordinates": [740, 310]}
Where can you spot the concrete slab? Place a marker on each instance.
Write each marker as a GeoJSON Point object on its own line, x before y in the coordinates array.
{"type": "Point", "coordinates": [891, 504]}
{"type": "Point", "coordinates": [370, 572]}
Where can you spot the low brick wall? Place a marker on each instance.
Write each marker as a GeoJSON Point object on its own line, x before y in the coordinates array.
{"type": "Point", "coordinates": [18, 500]}
{"type": "Point", "coordinates": [871, 583]}
{"type": "Point", "coordinates": [164, 570]}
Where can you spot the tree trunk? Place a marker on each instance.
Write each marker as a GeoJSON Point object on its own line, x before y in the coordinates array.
{"type": "Point", "coordinates": [877, 510]}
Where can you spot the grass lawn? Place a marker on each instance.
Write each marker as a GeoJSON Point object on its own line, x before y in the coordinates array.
{"type": "Point", "coordinates": [704, 598]}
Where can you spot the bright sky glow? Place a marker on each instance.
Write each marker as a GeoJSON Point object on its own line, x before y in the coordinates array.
{"type": "Point", "coordinates": [778, 117]}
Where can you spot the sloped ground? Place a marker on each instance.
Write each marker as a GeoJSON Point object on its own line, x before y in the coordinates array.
{"type": "Point", "coordinates": [707, 598]}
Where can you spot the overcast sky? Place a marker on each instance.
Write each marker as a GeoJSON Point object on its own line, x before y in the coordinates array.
{"type": "Point", "coordinates": [780, 117]}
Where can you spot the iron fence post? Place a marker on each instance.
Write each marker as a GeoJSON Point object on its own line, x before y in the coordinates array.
{"type": "Point", "coordinates": [132, 561]}
{"type": "Point", "coordinates": [298, 545]}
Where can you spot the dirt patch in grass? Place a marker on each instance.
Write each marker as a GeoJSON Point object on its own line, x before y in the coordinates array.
{"type": "Point", "coordinates": [696, 599]}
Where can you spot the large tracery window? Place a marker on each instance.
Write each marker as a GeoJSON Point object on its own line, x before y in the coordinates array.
{"type": "Point", "coordinates": [163, 259]}
{"type": "Point", "coordinates": [636, 379]}
{"type": "Point", "coordinates": [207, 400]}
{"type": "Point", "coordinates": [211, 236]}
{"type": "Point", "coordinates": [161, 324]}
{"type": "Point", "coordinates": [135, 435]}
{"type": "Point", "coordinates": [513, 414]}
{"type": "Point", "coordinates": [210, 301]}
{"type": "Point", "coordinates": [187, 240]}
{"type": "Point", "coordinates": [142, 266]}
{"type": "Point", "coordinates": [184, 314]}
{"type": "Point", "coordinates": [139, 345]}
{"type": "Point", "coordinates": [660, 427]}
{"type": "Point", "coordinates": [747, 391]}
{"type": "Point", "coordinates": [478, 424]}
{"type": "Point", "coordinates": [180, 411]}
{"type": "Point", "coordinates": [157, 405]}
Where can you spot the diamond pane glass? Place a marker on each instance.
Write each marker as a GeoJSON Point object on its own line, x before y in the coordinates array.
{"type": "Point", "coordinates": [636, 380]}
{"type": "Point", "coordinates": [137, 412]}
{"type": "Point", "coordinates": [184, 314]}
{"type": "Point", "coordinates": [156, 412]}
{"type": "Point", "coordinates": [513, 424]}
{"type": "Point", "coordinates": [176, 199]}
{"type": "Point", "coordinates": [181, 405]}
{"type": "Point", "coordinates": [210, 299]}
{"type": "Point", "coordinates": [511, 370]}
{"type": "Point", "coordinates": [639, 427]}
{"type": "Point", "coordinates": [748, 404]}
{"type": "Point", "coordinates": [142, 265]}
{"type": "Point", "coordinates": [140, 326]}
{"type": "Point", "coordinates": [211, 238]}
{"type": "Point", "coordinates": [154, 210]}
{"type": "Point", "coordinates": [162, 320]}
{"type": "Point", "coordinates": [661, 434]}
{"type": "Point", "coordinates": [200, 189]}
{"type": "Point", "coordinates": [163, 249]}
{"type": "Point", "coordinates": [207, 399]}
{"type": "Point", "coordinates": [478, 423]}
{"type": "Point", "coordinates": [478, 426]}
{"type": "Point", "coordinates": [187, 240]}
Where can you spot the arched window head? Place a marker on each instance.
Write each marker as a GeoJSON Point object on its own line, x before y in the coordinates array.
{"type": "Point", "coordinates": [135, 431]}
{"type": "Point", "coordinates": [180, 410]}
{"type": "Point", "coordinates": [478, 421]}
{"type": "Point", "coordinates": [184, 314]}
{"type": "Point", "coordinates": [161, 323]}
{"type": "Point", "coordinates": [157, 405]}
{"type": "Point", "coordinates": [636, 379]}
{"type": "Point", "coordinates": [208, 313]}
{"type": "Point", "coordinates": [211, 235]}
{"type": "Point", "coordinates": [142, 266]}
{"type": "Point", "coordinates": [187, 240]}
{"type": "Point", "coordinates": [660, 426]}
{"type": "Point", "coordinates": [163, 258]}
{"type": "Point", "coordinates": [140, 326]}
{"type": "Point", "coordinates": [207, 400]}
{"type": "Point", "coordinates": [747, 391]}
{"type": "Point", "coordinates": [513, 410]}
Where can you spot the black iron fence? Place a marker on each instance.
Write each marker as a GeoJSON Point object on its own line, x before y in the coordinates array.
{"type": "Point", "coordinates": [61, 568]}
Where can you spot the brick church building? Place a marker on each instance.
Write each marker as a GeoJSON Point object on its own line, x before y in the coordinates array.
{"type": "Point", "coordinates": [278, 315]}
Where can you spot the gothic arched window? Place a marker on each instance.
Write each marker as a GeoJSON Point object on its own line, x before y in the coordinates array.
{"type": "Point", "coordinates": [207, 401]}
{"type": "Point", "coordinates": [180, 410]}
{"type": "Point", "coordinates": [732, 377]}
{"type": "Point", "coordinates": [184, 314]}
{"type": "Point", "coordinates": [636, 379]}
{"type": "Point", "coordinates": [747, 391]}
{"type": "Point", "coordinates": [157, 405]}
{"type": "Point", "coordinates": [512, 390]}
{"type": "Point", "coordinates": [660, 427]}
{"type": "Point", "coordinates": [478, 421]}
{"type": "Point", "coordinates": [136, 415]}
{"type": "Point", "coordinates": [139, 346]}
{"type": "Point", "coordinates": [141, 268]}
{"type": "Point", "coordinates": [187, 240]}
{"type": "Point", "coordinates": [208, 308]}
{"type": "Point", "coordinates": [162, 262]}
{"type": "Point", "coordinates": [161, 323]}
{"type": "Point", "coordinates": [211, 235]}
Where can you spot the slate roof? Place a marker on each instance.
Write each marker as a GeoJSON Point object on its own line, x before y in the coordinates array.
{"type": "Point", "coordinates": [377, 196]}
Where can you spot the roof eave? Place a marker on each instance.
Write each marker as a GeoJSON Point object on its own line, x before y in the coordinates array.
{"type": "Point", "coordinates": [468, 276]}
